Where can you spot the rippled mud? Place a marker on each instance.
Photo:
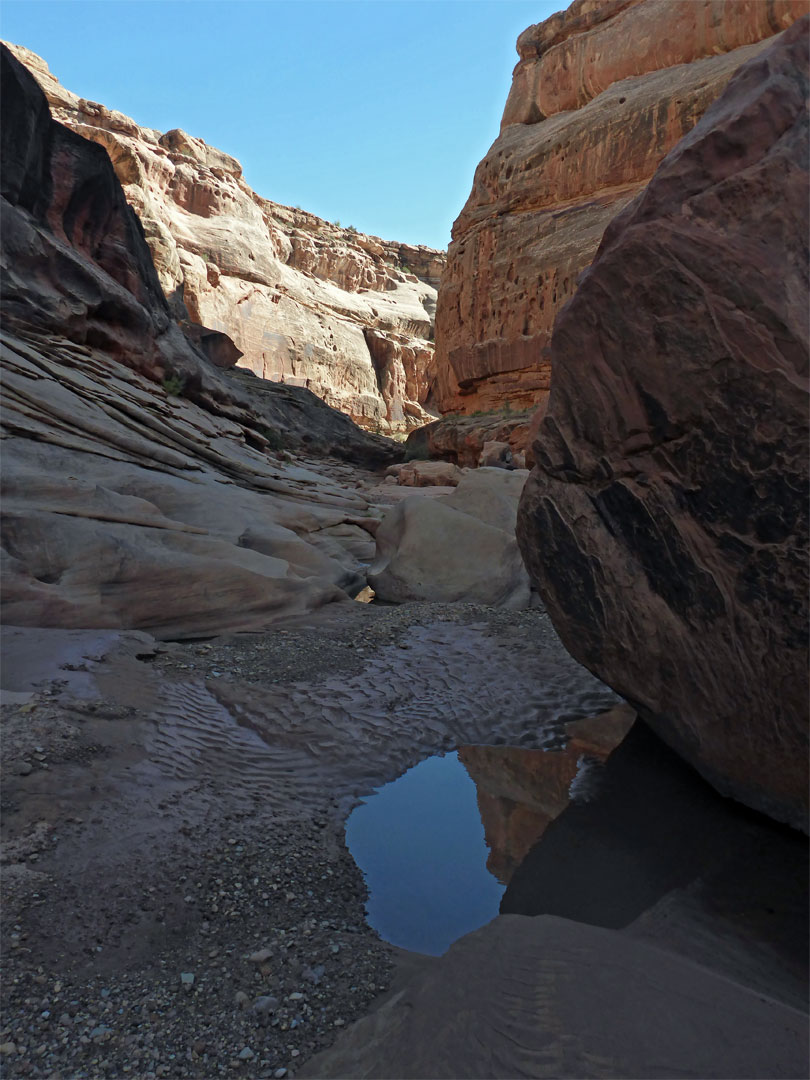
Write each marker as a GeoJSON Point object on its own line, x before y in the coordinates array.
{"type": "Point", "coordinates": [171, 810]}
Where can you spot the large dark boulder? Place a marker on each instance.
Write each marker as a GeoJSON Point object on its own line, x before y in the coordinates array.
{"type": "Point", "coordinates": [665, 523]}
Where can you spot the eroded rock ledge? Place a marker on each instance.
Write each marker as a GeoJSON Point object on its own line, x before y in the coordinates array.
{"type": "Point", "coordinates": [142, 486]}
{"type": "Point", "coordinates": [602, 92]}
{"type": "Point", "coordinates": [346, 315]}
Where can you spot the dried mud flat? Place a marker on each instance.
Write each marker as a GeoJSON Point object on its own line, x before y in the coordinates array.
{"type": "Point", "coordinates": [177, 896]}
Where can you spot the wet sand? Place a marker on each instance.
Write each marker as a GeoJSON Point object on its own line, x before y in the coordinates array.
{"type": "Point", "coordinates": [172, 810]}
{"type": "Point", "coordinates": [169, 810]}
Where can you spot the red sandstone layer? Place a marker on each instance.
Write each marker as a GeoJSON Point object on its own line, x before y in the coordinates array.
{"type": "Point", "coordinates": [601, 94]}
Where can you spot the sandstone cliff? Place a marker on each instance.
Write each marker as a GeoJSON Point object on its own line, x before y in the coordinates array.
{"type": "Point", "coordinates": [140, 487]}
{"type": "Point", "coordinates": [307, 303]}
{"type": "Point", "coordinates": [666, 520]}
{"type": "Point", "coordinates": [601, 93]}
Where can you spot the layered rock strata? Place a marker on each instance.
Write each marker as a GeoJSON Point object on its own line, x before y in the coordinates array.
{"type": "Point", "coordinates": [601, 93]}
{"type": "Point", "coordinates": [666, 520]}
{"type": "Point", "coordinates": [141, 485]}
{"type": "Point", "coordinates": [346, 315]}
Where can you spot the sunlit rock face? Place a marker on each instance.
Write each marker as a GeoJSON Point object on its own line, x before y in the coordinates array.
{"type": "Point", "coordinates": [308, 303]}
{"type": "Point", "coordinates": [602, 92]}
{"type": "Point", "coordinates": [665, 523]}
{"type": "Point", "coordinates": [139, 484]}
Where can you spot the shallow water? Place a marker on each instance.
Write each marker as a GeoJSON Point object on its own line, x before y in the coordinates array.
{"type": "Point", "coordinates": [420, 844]}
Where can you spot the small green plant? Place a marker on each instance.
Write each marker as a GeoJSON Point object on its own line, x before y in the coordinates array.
{"type": "Point", "coordinates": [351, 229]}
{"type": "Point", "coordinates": [337, 224]}
{"type": "Point", "coordinates": [174, 385]}
{"type": "Point", "coordinates": [405, 268]}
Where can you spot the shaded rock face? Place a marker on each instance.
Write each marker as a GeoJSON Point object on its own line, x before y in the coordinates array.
{"type": "Point", "coordinates": [138, 490]}
{"type": "Point", "coordinates": [343, 314]}
{"type": "Point", "coordinates": [602, 92]}
{"type": "Point", "coordinates": [665, 523]}
{"type": "Point", "coordinates": [551, 998]}
{"type": "Point", "coordinates": [461, 439]}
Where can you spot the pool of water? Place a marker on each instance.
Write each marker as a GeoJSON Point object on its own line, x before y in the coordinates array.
{"type": "Point", "coordinates": [420, 844]}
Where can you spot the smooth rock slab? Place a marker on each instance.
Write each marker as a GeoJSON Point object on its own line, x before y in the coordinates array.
{"type": "Point", "coordinates": [458, 548]}
{"type": "Point", "coordinates": [546, 997]}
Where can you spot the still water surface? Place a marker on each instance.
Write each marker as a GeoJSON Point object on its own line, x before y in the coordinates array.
{"type": "Point", "coordinates": [420, 844]}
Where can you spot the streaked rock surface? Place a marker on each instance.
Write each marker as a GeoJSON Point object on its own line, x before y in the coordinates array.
{"type": "Point", "coordinates": [665, 522]}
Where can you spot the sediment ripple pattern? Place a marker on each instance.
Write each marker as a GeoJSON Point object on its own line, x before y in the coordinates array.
{"type": "Point", "coordinates": [303, 744]}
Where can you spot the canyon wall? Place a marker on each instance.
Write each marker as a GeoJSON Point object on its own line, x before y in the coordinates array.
{"type": "Point", "coordinates": [601, 93]}
{"type": "Point", "coordinates": [666, 520]}
{"type": "Point", "coordinates": [142, 486]}
{"type": "Point", "coordinates": [307, 303]}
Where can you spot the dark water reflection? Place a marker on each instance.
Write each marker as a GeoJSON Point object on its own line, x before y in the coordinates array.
{"type": "Point", "coordinates": [438, 845]}
{"type": "Point", "coordinates": [420, 844]}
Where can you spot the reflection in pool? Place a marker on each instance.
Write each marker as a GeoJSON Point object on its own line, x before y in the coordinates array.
{"type": "Point", "coordinates": [420, 844]}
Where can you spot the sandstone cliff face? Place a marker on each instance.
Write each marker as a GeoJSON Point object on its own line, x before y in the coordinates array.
{"type": "Point", "coordinates": [139, 486]}
{"type": "Point", "coordinates": [665, 522]}
{"type": "Point", "coordinates": [601, 93]}
{"type": "Point", "coordinates": [346, 315]}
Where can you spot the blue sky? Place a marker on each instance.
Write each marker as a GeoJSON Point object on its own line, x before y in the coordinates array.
{"type": "Point", "coordinates": [370, 112]}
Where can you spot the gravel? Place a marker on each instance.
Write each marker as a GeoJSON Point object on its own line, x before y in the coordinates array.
{"type": "Point", "coordinates": [213, 941]}
{"type": "Point", "coordinates": [203, 1006]}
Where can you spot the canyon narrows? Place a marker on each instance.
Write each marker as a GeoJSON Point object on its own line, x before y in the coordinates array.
{"type": "Point", "coordinates": [232, 612]}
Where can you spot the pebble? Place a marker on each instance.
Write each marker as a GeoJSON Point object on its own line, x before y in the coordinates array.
{"type": "Point", "coordinates": [186, 978]}
{"type": "Point", "coordinates": [265, 1003]}
{"type": "Point", "coordinates": [241, 999]}
{"type": "Point", "coordinates": [261, 956]}
{"type": "Point", "coordinates": [246, 1054]}
{"type": "Point", "coordinates": [280, 1073]}
{"type": "Point", "coordinates": [25, 768]}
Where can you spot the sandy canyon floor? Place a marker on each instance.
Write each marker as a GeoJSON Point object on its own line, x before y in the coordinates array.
{"type": "Point", "coordinates": [178, 898]}
{"type": "Point", "coordinates": [176, 810]}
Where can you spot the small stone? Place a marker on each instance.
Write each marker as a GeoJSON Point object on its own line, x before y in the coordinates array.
{"type": "Point", "coordinates": [261, 956]}
{"type": "Point", "coordinates": [186, 978]}
{"type": "Point", "coordinates": [339, 1022]}
{"type": "Point", "coordinates": [265, 1003]}
{"type": "Point", "coordinates": [10, 1048]}
{"type": "Point", "coordinates": [24, 769]}
{"type": "Point", "coordinates": [278, 1074]}
{"type": "Point", "coordinates": [294, 1053]}
{"type": "Point", "coordinates": [241, 999]}
{"type": "Point", "coordinates": [105, 993]}
{"type": "Point", "coordinates": [296, 996]}
{"type": "Point", "coordinates": [246, 1054]}
{"type": "Point", "coordinates": [334, 949]}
